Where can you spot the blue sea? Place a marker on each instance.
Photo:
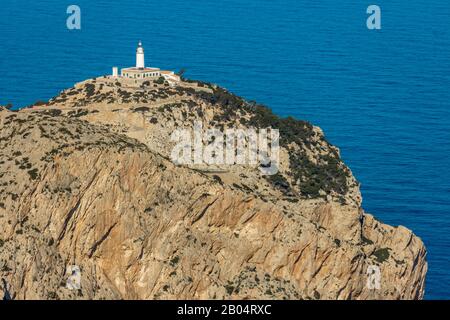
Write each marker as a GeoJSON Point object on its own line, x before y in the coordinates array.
{"type": "Point", "coordinates": [382, 96]}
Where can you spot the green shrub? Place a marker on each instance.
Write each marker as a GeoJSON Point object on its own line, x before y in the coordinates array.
{"type": "Point", "coordinates": [381, 255]}
{"type": "Point", "coordinates": [229, 288]}
{"type": "Point", "coordinates": [33, 173]}
{"type": "Point", "coordinates": [160, 80]}
{"type": "Point", "coordinates": [174, 261]}
{"type": "Point", "coordinates": [366, 240]}
{"type": "Point", "coordinates": [141, 109]}
{"type": "Point", "coordinates": [316, 295]}
{"type": "Point", "coordinates": [279, 182]}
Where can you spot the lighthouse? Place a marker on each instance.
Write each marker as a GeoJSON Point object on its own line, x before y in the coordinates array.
{"type": "Point", "coordinates": [141, 74]}
{"type": "Point", "coordinates": [140, 62]}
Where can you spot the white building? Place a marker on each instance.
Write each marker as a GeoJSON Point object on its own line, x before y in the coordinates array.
{"type": "Point", "coordinates": [115, 72]}
{"type": "Point", "coordinates": [141, 72]}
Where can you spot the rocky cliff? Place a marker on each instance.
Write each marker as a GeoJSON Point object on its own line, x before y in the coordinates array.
{"type": "Point", "coordinates": [86, 179]}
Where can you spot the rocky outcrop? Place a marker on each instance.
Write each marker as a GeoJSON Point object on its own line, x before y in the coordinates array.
{"type": "Point", "coordinates": [86, 180]}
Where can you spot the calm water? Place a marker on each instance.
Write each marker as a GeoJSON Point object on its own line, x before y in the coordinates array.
{"type": "Point", "coordinates": [382, 96]}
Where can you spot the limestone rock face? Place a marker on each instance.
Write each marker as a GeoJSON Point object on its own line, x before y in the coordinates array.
{"type": "Point", "coordinates": [86, 180]}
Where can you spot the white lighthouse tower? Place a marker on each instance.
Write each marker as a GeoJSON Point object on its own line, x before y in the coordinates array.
{"type": "Point", "coordinates": [141, 74]}
{"type": "Point", "coordinates": [140, 62]}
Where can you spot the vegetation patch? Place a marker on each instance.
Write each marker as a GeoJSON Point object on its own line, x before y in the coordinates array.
{"type": "Point", "coordinates": [279, 182]}
{"type": "Point", "coordinates": [78, 113]}
{"type": "Point", "coordinates": [33, 173]}
{"type": "Point", "coordinates": [366, 241]}
{"type": "Point", "coordinates": [229, 288]}
{"type": "Point", "coordinates": [141, 109]}
{"type": "Point", "coordinates": [174, 261]}
{"type": "Point", "coordinates": [327, 174]}
{"type": "Point", "coordinates": [53, 112]}
{"type": "Point", "coordinates": [381, 255]}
